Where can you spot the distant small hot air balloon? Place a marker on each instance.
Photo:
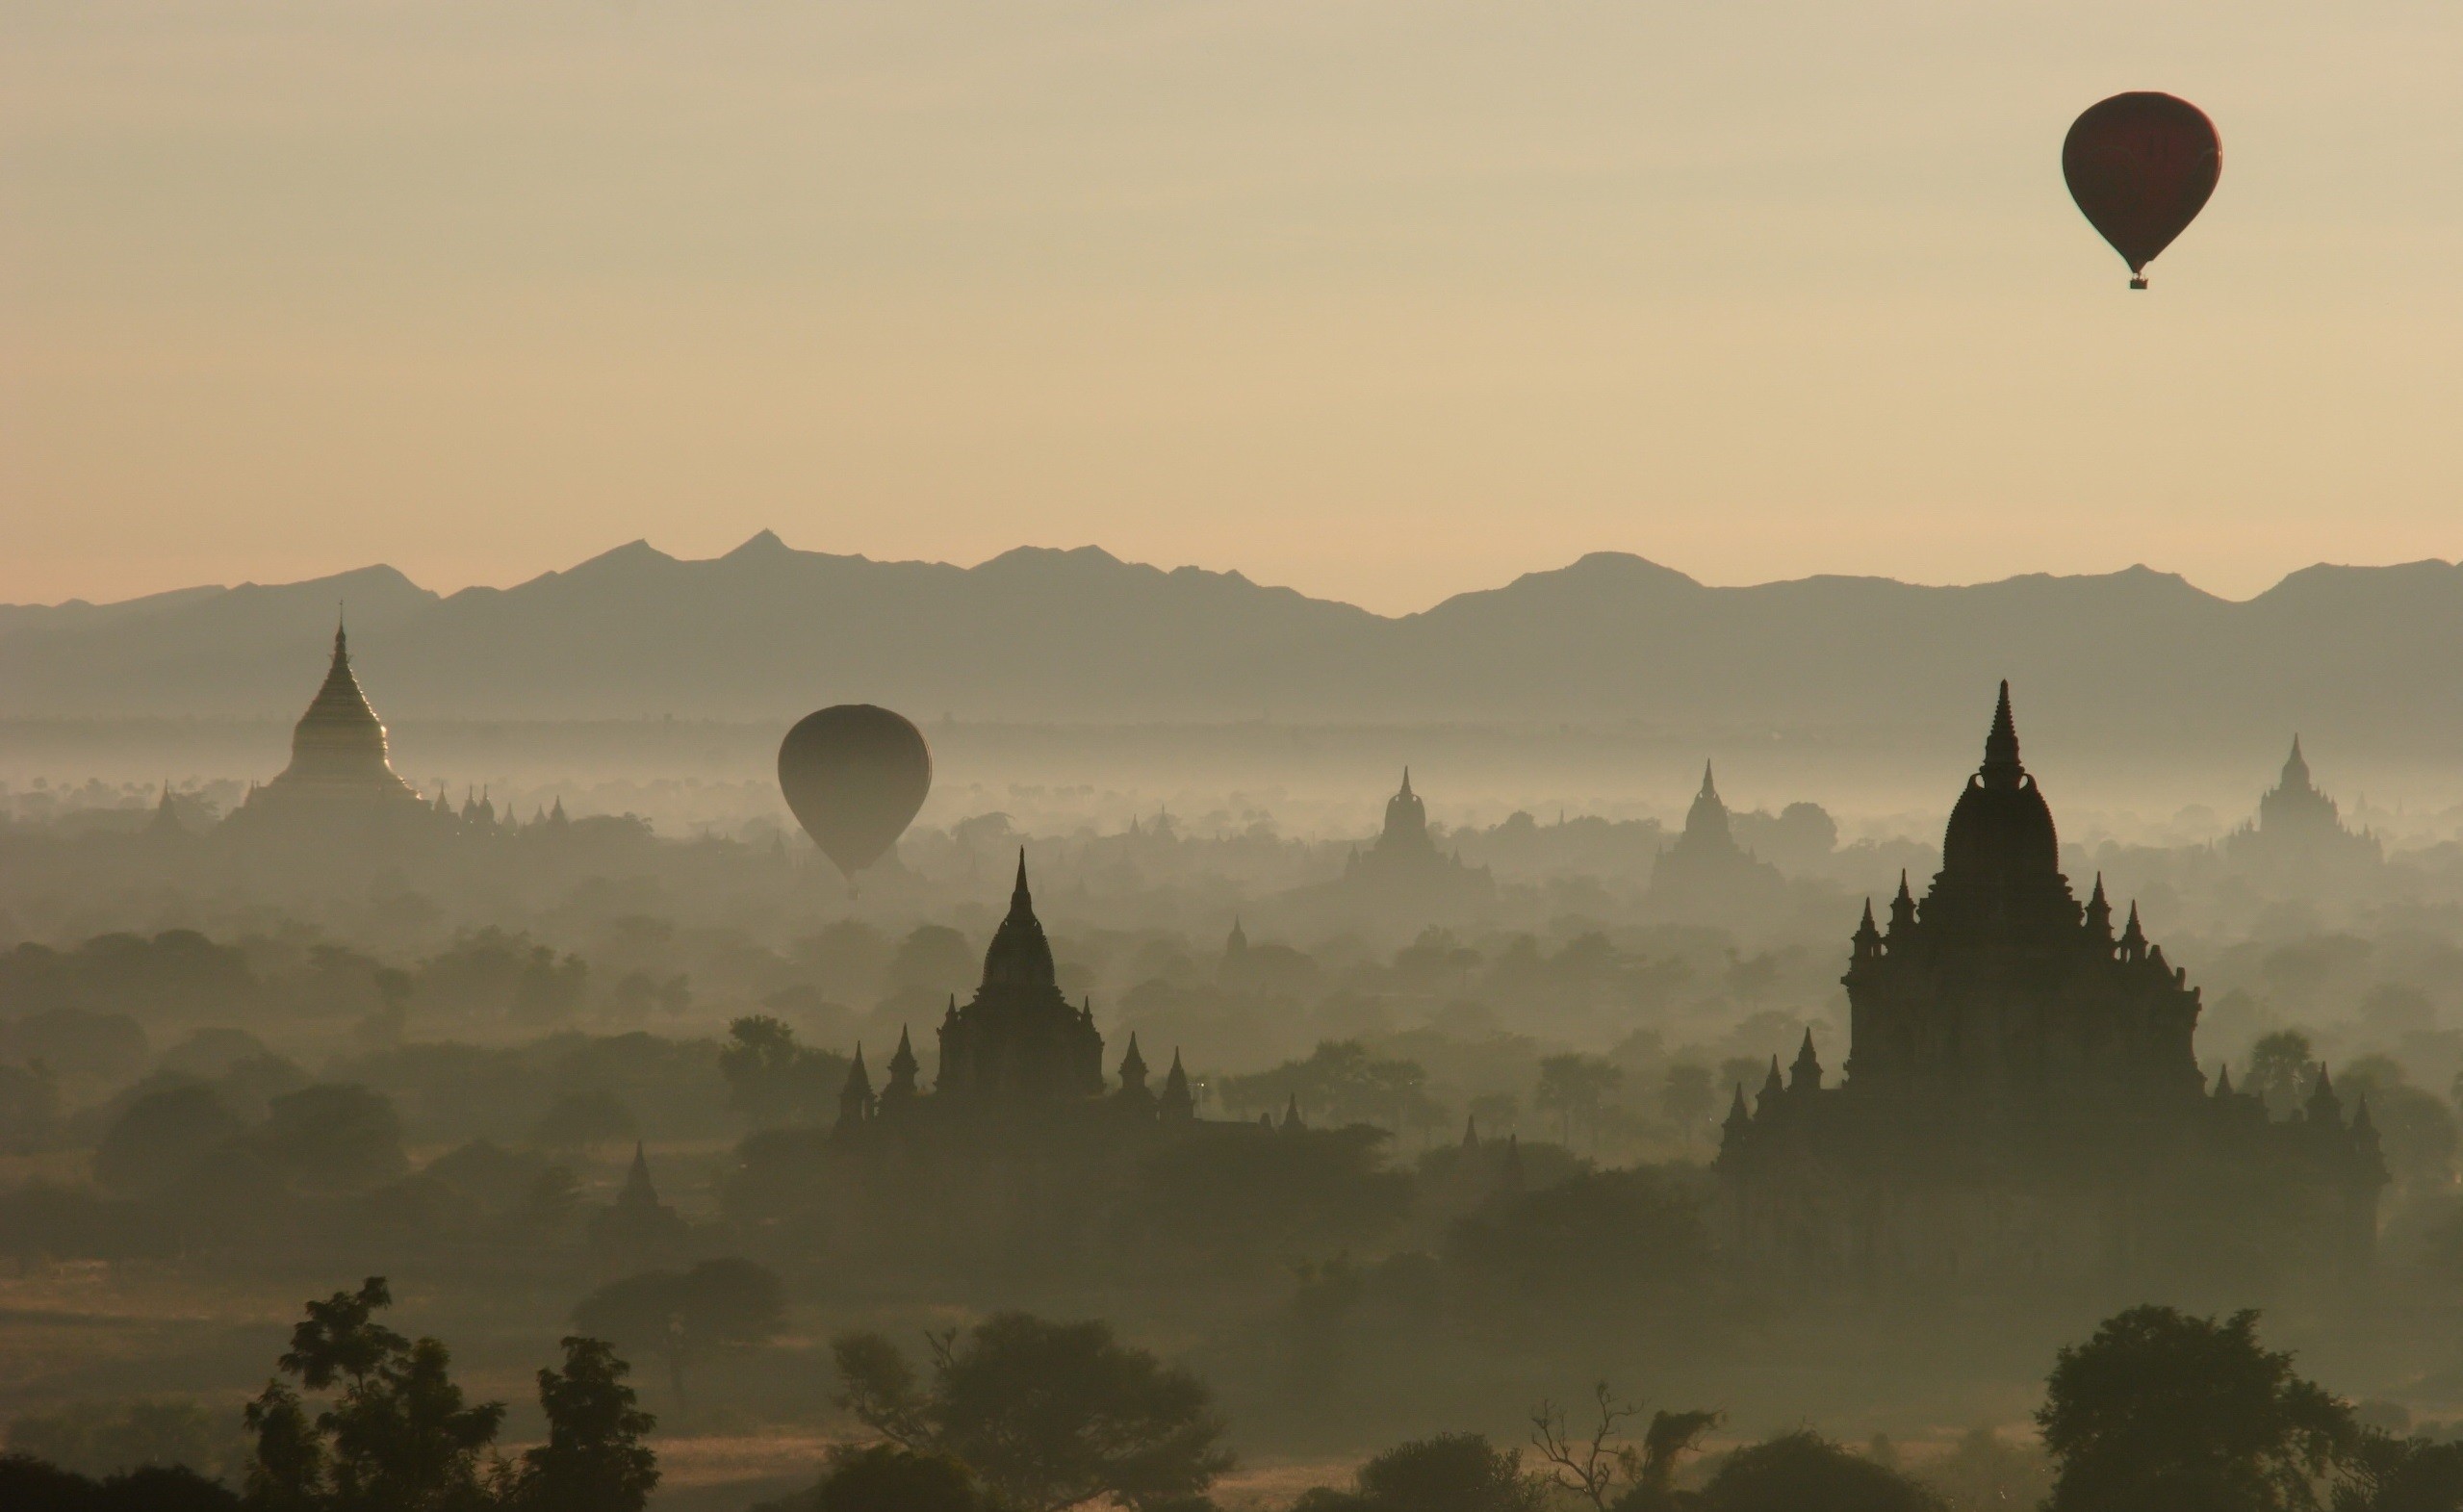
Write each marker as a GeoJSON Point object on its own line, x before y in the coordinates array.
{"type": "Point", "coordinates": [855, 775]}
{"type": "Point", "coordinates": [2141, 167]}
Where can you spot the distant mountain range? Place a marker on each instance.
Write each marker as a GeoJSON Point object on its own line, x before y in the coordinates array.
{"type": "Point", "coordinates": [2136, 658]}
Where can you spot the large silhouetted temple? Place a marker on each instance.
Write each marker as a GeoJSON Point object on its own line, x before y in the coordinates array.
{"type": "Point", "coordinates": [2022, 1097]}
{"type": "Point", "coordinates": [1018, 1047]}
{"type": "Point", "coordinates": [340, 767]}
{"type": "Point", "coordinates": [1017, 1040]}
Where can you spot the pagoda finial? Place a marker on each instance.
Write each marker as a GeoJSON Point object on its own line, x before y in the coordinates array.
{"type": "Point", "coordinates": [1406, 783]}
{"type": "Point", "coordinates": [1709, 789]}
{"type": "Point", "coordinates": [1020, 901]}
{"type": "Point", "coordinates": [2001, 768]}
{"type": "Point", "coordinates": [1902, 906]}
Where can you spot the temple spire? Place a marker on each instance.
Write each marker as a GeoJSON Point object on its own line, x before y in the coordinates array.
{"type": "Point", "coordinates": [901, 1086]}
{"type": "Point", "coordinates": [1406, 783]}
{"type": "Point", "coordinates": [1020, 901]}
{"type": "Point", "coordinates": [2001, 768]}
{"type": "Point", "coordinates": [1709, 789]}
{"type": "Point", "coordinates": [1179, 1104]}
{"type": "Point", "coordinates": [638, 1192]}
{"type": "Point", "coordinates": [855, 1099]}
{"type": "Point", "coordinates": [1902, 906]}
{"type": "Point", "coordinates": [2325, 1107]}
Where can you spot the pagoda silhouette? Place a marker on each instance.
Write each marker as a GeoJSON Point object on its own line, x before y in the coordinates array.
{"type": "Point", "coordinates": [2021, 1100]}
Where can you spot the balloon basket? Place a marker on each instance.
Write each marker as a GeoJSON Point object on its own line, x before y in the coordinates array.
{"type": "Point", "coordinates": [2138, 283]}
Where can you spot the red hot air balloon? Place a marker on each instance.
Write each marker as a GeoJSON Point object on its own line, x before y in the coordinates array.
{"type": "Point", "coordinates": [855, 775]}
{"type": "Point", "coordinates": [2141, 167]}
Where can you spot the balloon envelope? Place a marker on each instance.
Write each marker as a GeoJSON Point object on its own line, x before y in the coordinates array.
{"type": "Point", "coordinates": [2141, 167]}
{"type": "Point", "coordinates": [855, 775]}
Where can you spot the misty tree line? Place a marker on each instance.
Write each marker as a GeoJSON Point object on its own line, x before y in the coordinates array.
{"type": "Point", "coordinates": [2159, 1411]}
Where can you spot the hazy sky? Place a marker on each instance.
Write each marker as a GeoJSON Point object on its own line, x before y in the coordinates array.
{"type": "Point", "coordinates": [1382, 301]}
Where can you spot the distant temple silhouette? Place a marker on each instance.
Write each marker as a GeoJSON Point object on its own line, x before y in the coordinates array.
{"type": "Point", "coordinates": [339, 756]}
{"type": "Point", "coordinates": [341, 782]}
{"type": "Point", "coordinates": [2023, 1100]}
{"type": "Point", "coordinates": [2299, 830]}
{"type": "Point", "coordinates": [1404, 873]}
{"type": "Point", "coordinates": [1706, 871]}
{"type": "Point", "coordinates": [1015, 1049]}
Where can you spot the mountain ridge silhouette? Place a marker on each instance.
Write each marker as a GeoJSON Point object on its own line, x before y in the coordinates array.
{"type": "Point", "coordinates": [1039, 634]}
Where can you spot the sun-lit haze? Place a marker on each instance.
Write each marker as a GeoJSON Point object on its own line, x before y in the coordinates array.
{"type": "Point", "coordinates": [1328, 293]}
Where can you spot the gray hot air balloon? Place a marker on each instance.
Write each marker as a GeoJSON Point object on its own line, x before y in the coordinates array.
{"type": "Point", "coordinates": [855, 775]}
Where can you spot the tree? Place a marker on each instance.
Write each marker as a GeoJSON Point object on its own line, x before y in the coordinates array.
{"type": "Point", "coordinates": [1575, 1088]}
{"type": "Point", "coordinates": [333, 1139]}
{"type": "Point", "coordinates": [882, 1477]}
{"type": "Point", "coordinates": [549, 989]}
{"type": "Point", "coordinates": [1593, 1466]}
{"type": "Point", "coordinates": [770, 1079]}
{"type": "Point", "coordinates": [160, 1138]}
{"type": "Point", "coordinates": [1450, 1472]}
{"type": "Point", "coordinates": [684, 1315]}
{"type": "Point", "coordinates": [584, 1121]}
{"type": "Point", "coordinates": [2415, 1126]}
{"type": "Point", "coordinates": [594, 1459]}
{"type": "Point", "coordinates": [2380, 1473]}
{"type": "Point", "coordinates": [1597, 1234]}
{"type": "Point", "coordinates": [2281, 1068]}
{"type": "Point", "coordinates": [28, 1106]}
{"type": "Point", "coordinates": [1230, 1202]}
{"type": "Point", "coordinates": [399, 1437]}
{"type": "Point", "coordinates": [114, 1438]}
{"type": "Point", "coordinates": [1050, 1415]}
{"type": "Point", "coordinates": [1688, 1098]}
{"type": "Point", "coordinates": [1340, 1083]}
{"type": "Point", "coordinates": [403, 1437]}
{"type": "Point", "coordinates": [1984, 1470]}
{"type": "Point", "coordinates": [1797, 1471]}
{"type": "Point", "coordinates": [28, 1484]}
{"type": "Point", "coordinates": [2163, 1412]}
